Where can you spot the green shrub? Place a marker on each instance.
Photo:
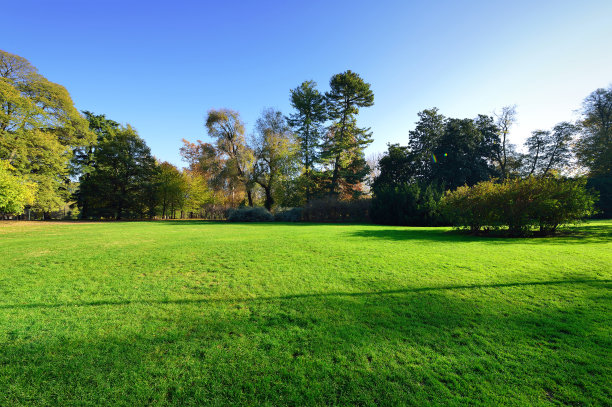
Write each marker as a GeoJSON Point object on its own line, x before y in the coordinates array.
{"type": "Point", "coordinates": [288, 215]}
{"type": "Point", "coordinates": [248, 214]}
{"type": "Point", "coordinates": [519, 205]}
{"type": "Point", "coordinates": [335, 210]}
{"type": "Point", "coordinates": [407, 205]}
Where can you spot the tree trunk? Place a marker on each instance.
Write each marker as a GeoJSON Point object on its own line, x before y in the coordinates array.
{"type": "Point", "coordinates": [269, 199]}
{"type": "Point", "coordinates": [332, 187]}
{"type": "Point", "coordinates": [250, 197]}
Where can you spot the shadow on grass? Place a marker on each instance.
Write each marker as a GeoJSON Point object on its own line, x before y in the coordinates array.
{"type": "Point", "coordinates": [592, 282]}
{"type": "Point", "coordinates": [582, 234]}
{"type": "Point", "coordinates": [405, 348]}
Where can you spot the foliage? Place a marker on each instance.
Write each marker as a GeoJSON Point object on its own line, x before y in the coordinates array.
{"type": "Point", "coordinates": [275, 150]}
{"type": "Point", "coordinates": [39, 129]}
{"type": "Point", "coordinates": [549, 151]}
{"type": "Point", "coordinates": [423, 140]}
{"type": "Point", "coordinates": [15, 193]}
{"type": "Point", "coordinates": [594, 146]}
{"type": "Point", "coordinates": [307, 123]}
{"type": "Point", "coordinates": [396, 167]}
{"type": "Point", "coordinates": [463, 154]}
{"type": "Point", "coordinates": [209, 313]}
{"type": "Point", "coordinates": [344, 143]}
{"type": "Point", "coordinates": [227, 129]}
{"type": "Point", "coordinates": [331, 209]}
{"type": "Point", "coordinates": [197, 193]}
{"type": "Point", "coordinates": [249, 214]}
{"type": "Point", "coordinates": [445, 151]}
{"type": "Point", "coordinates": [520, 204]}
{"type": "Point", "coordinates": [288, 215]}
{"type": "Point", "coordinates": [122, 183]}
{"type": "Point", "coordinates": [603, 186]}
{"type": "Point", "coordinates": [407, 205]}
{"type": "Point", "coordinates": [171, 189]}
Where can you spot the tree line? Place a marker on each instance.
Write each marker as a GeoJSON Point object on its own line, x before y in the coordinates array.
{"type": "Point", "coordinates": [53, 156]}
{"type": "Point", "coordinates": [445, 153]}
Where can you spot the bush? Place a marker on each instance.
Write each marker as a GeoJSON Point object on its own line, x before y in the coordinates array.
{"type": "Point", "coordinates": [519, 205]}
{"type": "Point", "coordinates": [288, 215]}
{"type": "Point", "coordinates": [254, 214]}
{"type": "Point", "coordinates": [407, 205]}
{"type": "Point", "coordinates": [334, 210]}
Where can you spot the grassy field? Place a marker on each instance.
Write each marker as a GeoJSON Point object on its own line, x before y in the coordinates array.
{"type": "Point", "coordinates": [192, 313]}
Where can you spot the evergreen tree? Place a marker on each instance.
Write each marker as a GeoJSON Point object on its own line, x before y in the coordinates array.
{"type": "Point", "coordinates": [346, 141]}
{"type": "Point", "coordinates": [307, 123]}
{"type": "Point", "coordinates": [121, 183]}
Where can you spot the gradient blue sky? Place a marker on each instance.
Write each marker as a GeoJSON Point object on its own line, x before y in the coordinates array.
{"type": "Point", "coordinates": [161, 66]}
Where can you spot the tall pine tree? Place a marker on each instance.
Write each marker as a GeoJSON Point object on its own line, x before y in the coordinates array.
{"type": "Point", "coordinates": [307, 123]}
{"type": "Point", "coordinates": [346, 141]}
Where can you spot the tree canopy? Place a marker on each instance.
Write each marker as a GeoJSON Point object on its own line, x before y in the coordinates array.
{"type": "Point", "coordinates": [39, 129]}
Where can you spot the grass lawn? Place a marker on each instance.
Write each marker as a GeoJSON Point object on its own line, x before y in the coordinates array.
{"type": "Point", "coordinates": [192, 313]}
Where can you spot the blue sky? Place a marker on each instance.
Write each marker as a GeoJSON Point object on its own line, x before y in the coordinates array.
{"type": "Point", "coordinates": [161, 66]}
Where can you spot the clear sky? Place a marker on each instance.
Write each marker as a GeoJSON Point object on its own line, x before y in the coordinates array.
{"type": "Point", "coordinates": [161, 66]}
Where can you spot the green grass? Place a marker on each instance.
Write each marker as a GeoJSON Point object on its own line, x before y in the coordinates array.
{"type": "Point", "coordinates": [192, 313]}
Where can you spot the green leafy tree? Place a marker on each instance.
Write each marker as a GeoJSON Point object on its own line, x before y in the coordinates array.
{"type": "Point", "coordinates": [171, 189]}
{"type": "Point", "coordinates": [345, 141]}
{"type": "Point", "coordinates": [307, 123]}
{"type": "Point", "coordinates": [423, 140]}
{"type": "Point", "coordinates": [15, 192]}
{"type": "Point", "coordinates": [396, 168]}
{"type": "Point", "coordinates": [275, 150]}
{"type": "Point", "coordinates": [207, 164]}
{"type": "Point", "coordinates": [464, 153]}
{"type": "Point", "coordinates": [197, 193]}
{"type": "Point", "coordinates": [122, 182]}
{"type": "Point", "coordinates": [39, 129]}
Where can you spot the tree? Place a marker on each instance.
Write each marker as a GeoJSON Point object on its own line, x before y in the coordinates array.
{"type": "Point", "coordinates": [39, 129]}
{"type": "Point", "coordinates": [307, 123]}
{"type": "Point", "coordinates": [207, 164]}
{"type": "Point", "coordinates": [396, 168]}
{"type": "Point", "coordinates": [423, 140]}
{"type": "Point", "coordinates": [550, 150]}
{"type": "Point", "coordinates": [442, 152]}
{"type": "Point", "coordinates": [275, 152]}
{"type": "Point", "coordinates": [594, 146]}
{"type": "Point", "coordinates": [197, 193]}
{"type": "Point", "coordinates": [122, 182]}
{"type": "Point", "coordinates": [346, 141]}
{"type": "Point", "coordinates": [15, 193]}
{"type": "Point", "coordinates": [506, 156]}
{"type": "Point", "coordinates": [171, 189]}
{"type": "Point", "coordinates": [103, 129]}
{"type": "Point", "coordinates": [464, 153]}
{"type": "Point", "coordinates": [226, 128]}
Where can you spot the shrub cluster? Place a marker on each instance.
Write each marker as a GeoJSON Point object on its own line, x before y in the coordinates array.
{"type": "Point", "coordinates": [288, 215]}
{"type": "Point", "coordinates": [249, 214]}
{"type": "Point", "coordinates": [334, 210]}
{"type": "Point", "coordinates": [519, 205]}
{"type": "Point", "coordinates": [408, 205]}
